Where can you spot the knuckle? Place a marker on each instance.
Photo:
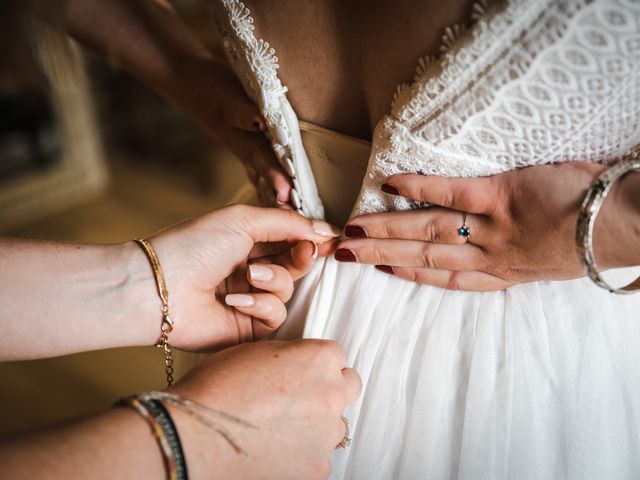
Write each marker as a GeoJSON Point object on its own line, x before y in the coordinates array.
{"type": "Point", "coordinates": [448, 198]}
{"type": "Point", "coordinates": [426, 258]}
{"type": "Point", "coordinates": [325, 352]}
{"type": "Point", "coordinates": [431, 231]}
{"type": "Point", "coordinates": [238, 210]}
{"type": "Point", "coordinates": [453, 282]}
{"type": "Point", "coordinates": [379, 256]}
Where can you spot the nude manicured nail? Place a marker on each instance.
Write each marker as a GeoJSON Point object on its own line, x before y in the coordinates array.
{"type": "Point", "coordinates": [239, 300]}
{"type": "Point", "coordinates": [260, 273]}
{"type": "Point", "coordinates": [314, 255]}
{"type": "Point", "coordinates": [354, 231]}
{"type": "Point", "coordinates": [386, 188]}
{"type": "Point", "coordinates": [325, 229]}
{"type": "Point", "coordinates": [344, 255]}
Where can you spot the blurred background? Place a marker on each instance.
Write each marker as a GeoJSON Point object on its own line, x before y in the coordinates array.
{"type": "Point", "coordinates": [89, 154]}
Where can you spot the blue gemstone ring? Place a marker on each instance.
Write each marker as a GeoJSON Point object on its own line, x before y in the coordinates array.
{"type": "Point", "coordinates": [464, 231]}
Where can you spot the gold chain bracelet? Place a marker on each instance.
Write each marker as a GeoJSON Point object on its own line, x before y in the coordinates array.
{"type": "Point", "coordinates": [167, 324]}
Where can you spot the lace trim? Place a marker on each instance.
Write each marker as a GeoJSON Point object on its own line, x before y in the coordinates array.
{"type": "Point", "coordinates": [565, 86]}
{"type": "Point", "coordinates": [256, 65]}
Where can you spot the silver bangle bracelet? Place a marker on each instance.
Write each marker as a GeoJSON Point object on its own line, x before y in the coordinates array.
{"type": "Point", "coordinates": [591, 206]}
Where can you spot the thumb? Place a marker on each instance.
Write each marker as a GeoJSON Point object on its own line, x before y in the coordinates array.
{"type": "Point", "coordinates": [277, 225]}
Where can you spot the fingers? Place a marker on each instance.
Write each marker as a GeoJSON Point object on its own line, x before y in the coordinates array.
{"type": "Point", "coordinates": [353, 384]}
{"type": "Point", "coordinates": [254, 150]}
{"type": "Point", "coordinates": [433, 225]}
{"type": "Point", "coordinates": [299, 259]}
{"type": "Point", "coordinates": [451, 280]}
{"type": "Point", "coordinates": [238, 109]}
{"type": "Point", "coordinates": [272, 279]}
{"type": "Point", "coordinates": [267, 311]}
{"type": "Point", "coordinates": [410, 253]}
{"type": "Point", "coordinates": [275, 225]}
{"type": "Point", "coordinates": [473, 195]}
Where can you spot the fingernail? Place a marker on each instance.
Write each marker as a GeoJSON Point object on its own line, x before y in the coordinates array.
{"type": "Point", "coordinates": [325, 229]}
{"type": "Point", "coordinates": [281, 198]}
{"type": "Point", "coordinates": [314, 255]}
{"type": "Point", "coordinates": [260, 273]}
{"type": "Point", "coordinates": [385, 269]}
{"type": "Point", "coordinates": [386, 188]}
{"type": "Point", "coordinates": [354, 231]}
{"type": "Point", "coordinates": [258, 124]}
{"type": "Point", "coordinates": [344, 255]}
{"type": "Point", "coordinates": [239, 300]}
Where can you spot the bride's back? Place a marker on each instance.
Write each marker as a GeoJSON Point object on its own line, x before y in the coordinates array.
{"type": "Point", "coordinates": [342, 61]}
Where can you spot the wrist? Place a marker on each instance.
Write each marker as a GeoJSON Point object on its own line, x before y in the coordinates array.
{"type": "Point", "coordinates": [140, 313]}
{"type": "Point", "coordinates": [617, 235]}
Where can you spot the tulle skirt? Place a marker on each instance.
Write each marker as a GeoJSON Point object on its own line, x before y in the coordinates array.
{"type": "Point", "coordinates": [541, 381]}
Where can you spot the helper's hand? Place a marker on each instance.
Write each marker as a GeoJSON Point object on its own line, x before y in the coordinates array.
{"type": "Point", "coordinates": [294, 392]}
{"type": "Point", "coordinates": [522, 228]}
{"type": "Point", "coordinates": [215, 300]}
{"type": "Point", "coordinates": [211, 95]}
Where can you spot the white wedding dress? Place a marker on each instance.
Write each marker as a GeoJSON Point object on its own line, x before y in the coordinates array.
{"type": "Point", "coordinates": [542, 380]}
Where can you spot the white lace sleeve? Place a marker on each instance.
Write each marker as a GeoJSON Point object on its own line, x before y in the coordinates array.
{"type": "Point", "coordinates": [538, 82]}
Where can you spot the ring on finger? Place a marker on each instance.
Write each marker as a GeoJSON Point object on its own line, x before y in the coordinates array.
{"type": "Point", "coordinates": [346, 440]}
{"type": "Point", "coordinates": [464, 230]}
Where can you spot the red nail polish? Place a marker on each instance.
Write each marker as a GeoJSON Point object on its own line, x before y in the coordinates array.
{"type": "Point", "coordinates": [344, 255]}
{"type": "Point", "coordinates": [386, 188]}
{"type": "Point", "coordinates": [355, 231]}
{"type": "Point", "coordinates": [385, 269]}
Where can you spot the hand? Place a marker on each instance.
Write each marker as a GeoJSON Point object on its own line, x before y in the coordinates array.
{"type": "Point", "coordinates": [212, 95]}
{"type": "Point", "coordinates": [522, 226]}
{"type": "Point", "coordinates": [294, 392]}
{"type": "Point", "coordinates": [215, 300]}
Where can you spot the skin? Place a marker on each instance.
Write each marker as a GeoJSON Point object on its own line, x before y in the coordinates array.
{"type": "Point", "coordinates": [84, 297]}
{"type": "Point", "coordinates": [296, 409]}
{"type": "Point", "coordinates": [339, 84]}
{"type": "Point", "coordinates": [423, 245]}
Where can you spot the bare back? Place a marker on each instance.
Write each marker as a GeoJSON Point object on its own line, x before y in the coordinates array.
{"type": "Point", "coordinates": [342, 61]}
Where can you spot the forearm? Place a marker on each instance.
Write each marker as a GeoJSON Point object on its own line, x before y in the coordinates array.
{"type": "Point", "coordinates": [62, 298]}
{"type": "Point", "coordinates": [144, 37]}
{"type": "Point", "coordinates": [114, 444]}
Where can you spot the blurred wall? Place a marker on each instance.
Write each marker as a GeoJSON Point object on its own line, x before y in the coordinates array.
{"type": "Point", "coordinates": [159, 169]}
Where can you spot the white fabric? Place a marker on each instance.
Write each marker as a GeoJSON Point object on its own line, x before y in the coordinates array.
{"type": "Point", "coordinates": [540, 381]}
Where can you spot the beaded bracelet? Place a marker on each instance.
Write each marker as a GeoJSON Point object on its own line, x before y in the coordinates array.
{"type": "Point", "coordinates": [165, 433]}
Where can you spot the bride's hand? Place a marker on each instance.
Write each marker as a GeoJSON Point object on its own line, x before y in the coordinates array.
{"type": "Point", "coordinates": [223, 289]}
{"type": "Point", "coordinates": [210, 94]}
{"type": "Point", "coordinates": [522, 228]}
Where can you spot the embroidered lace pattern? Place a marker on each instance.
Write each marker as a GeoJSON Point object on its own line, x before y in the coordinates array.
{"type": "Point", "coordinates": [538, 82]}
{"type": "Point", "coordinates": [535, 82]}
{"type": "Point", "coordinates": [256, 64]}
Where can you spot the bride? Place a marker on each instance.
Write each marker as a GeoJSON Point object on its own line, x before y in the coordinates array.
{"type": "Point", "coordinates": [506, 379]}
{"type": "Point", "coordinates": [537, 380]}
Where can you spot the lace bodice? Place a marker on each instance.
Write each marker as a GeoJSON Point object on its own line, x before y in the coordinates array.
{"type": "Point", "coordinates": [535, 82]}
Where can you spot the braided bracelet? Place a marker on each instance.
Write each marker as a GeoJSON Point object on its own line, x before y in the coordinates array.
{"type": "Point", "coordinates": [165, 433]}
{"type": "Point", "coordinates": [150, 407]}
{"type": "Point", "coordinates": [591, 206]}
